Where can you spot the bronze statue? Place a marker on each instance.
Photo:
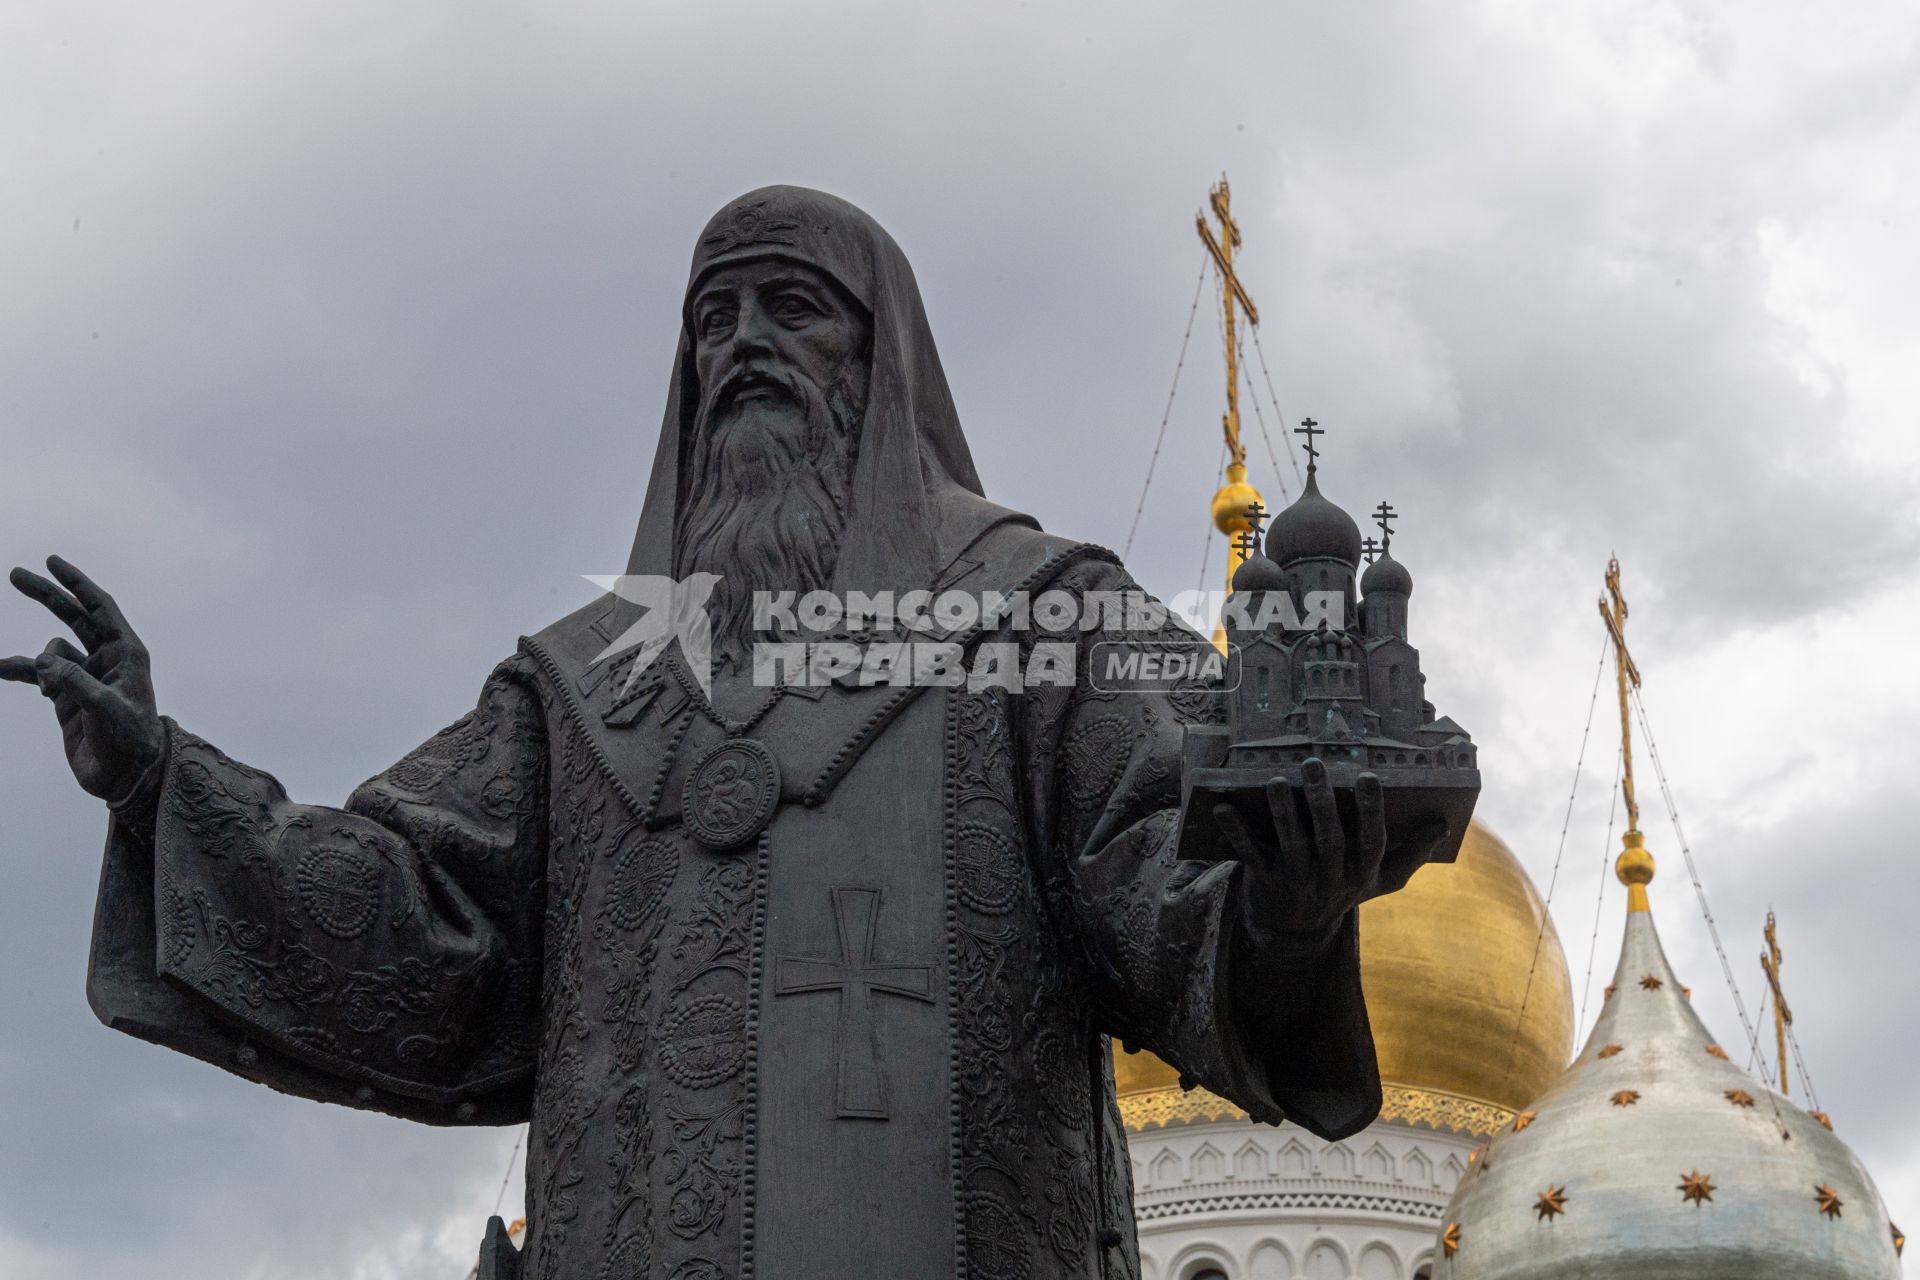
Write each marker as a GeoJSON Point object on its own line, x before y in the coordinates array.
{"type": "Point", "coordinates": [799, 981]}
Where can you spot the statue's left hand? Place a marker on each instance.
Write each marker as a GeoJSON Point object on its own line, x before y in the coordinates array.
{"type": "Point", "coordinates": [1305, 878]}
{"type": "Point", "coordinates": [103, 697]}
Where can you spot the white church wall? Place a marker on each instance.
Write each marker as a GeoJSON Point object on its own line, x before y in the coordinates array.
{"type": "Point", "coordinates": [1251, 1202]}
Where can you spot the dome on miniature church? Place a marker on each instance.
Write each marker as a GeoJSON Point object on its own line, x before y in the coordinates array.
{"type": "Point", "coordinates": [1386, 574]}
{"type": "Point", "coordinates": [1313, 528]}
{"type": "Point", "coordinates": [1257, 573]}
{"type": "Point", "coordinates": [1656, 1157]}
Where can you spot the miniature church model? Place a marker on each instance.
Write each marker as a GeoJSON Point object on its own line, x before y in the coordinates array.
{"type": "Point", "coordinates": [1318, 671]}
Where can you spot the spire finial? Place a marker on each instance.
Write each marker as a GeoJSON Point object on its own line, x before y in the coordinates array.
{"type": "Point", "coordinates": [1309, 428]}
{"type": "Point", "coordinates": [1635, 866]}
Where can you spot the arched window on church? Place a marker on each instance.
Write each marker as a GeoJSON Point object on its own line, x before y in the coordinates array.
{"type": "Point", "coordinates": [1209, 1273]}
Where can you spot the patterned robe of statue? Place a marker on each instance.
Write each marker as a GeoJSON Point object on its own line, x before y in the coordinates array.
{"type": "Point", "coordinates": [821, 992]}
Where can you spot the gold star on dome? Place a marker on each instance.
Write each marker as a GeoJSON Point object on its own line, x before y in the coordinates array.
{"type": "Point", "coordinates": [1609, 991]}
{"type": "Point", "coordinates": [1626, 1097]}
{"type": "Point", "coordinates": [1450, 1239]}
{"type": "Point", "coordinates": [1827, 1200]}
{"type": "Point", "coordinates": [1899, 1241]}
{"type": "Point", "coordinates": [1524, 1119]}
{"type": "Point", "coordinates": [1610, 1050]}
{"type": "Point", "coordinates": [1552, 1202]}
{"type": "Point", "coordinates": [1651, 983]}
{"type": "Point", "coordinates": [1696, 1188]}
{"type": "Point", "coordinates": [1825, 1122]}
{"type": "Point", "coordinates": [1718, 1052]}
{"type": "Point", "coordinates": [1739, 1097]}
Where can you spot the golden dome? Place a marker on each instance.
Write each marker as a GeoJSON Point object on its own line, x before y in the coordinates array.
{"type": "Point", "coordinates": [1445, 965]}
{"type": "Point", "coordinates": [1234, 501]}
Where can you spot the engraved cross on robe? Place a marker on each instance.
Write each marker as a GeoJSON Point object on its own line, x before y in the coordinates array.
{"type": "Point", "coordinates": [861, 1083]}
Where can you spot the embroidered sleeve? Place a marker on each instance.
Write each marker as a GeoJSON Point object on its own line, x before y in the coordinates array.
{"type": "Point", "coordinates": [384, 954]}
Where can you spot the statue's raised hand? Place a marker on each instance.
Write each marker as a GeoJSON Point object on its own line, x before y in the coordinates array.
{"type": "Point", "coordinates": [103, 697]}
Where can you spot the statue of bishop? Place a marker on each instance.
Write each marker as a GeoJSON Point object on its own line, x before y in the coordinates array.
{"type": "Point", "coordinates": [804, 981]}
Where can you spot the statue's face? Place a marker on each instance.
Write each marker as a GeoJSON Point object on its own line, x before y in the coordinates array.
{"type": "Point", "coordinates": [758, 326]}
{"type": "Point", "coordinates": [781, 355]}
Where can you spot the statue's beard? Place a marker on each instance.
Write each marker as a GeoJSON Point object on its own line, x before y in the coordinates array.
{"type": "Point", "coordinates": [766, 493]}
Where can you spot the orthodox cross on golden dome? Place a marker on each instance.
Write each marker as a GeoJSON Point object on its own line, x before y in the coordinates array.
{"type": "Point", "coordinates": [1782, 1014]}
{"type": "Point", "coordinates": [1635, 866]}
{"type": "Point", "coordinates": [1232, 292]}
{"type": "Point", "coordinates": [1230, 504]}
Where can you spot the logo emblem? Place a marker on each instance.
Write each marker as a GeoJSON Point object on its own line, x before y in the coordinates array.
{"type": "Point", "coordinates": [670, 609]}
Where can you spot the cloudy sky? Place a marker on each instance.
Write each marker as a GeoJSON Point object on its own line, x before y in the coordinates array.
{"type": "Point", "coordinates": [334, 342]}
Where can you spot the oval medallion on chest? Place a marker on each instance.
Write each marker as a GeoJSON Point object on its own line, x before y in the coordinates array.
{"type": "Point", "coordinates": [731, 793]}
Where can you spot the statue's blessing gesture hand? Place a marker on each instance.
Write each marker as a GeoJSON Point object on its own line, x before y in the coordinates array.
{"type": "Point", "coordinates": [103, 697]}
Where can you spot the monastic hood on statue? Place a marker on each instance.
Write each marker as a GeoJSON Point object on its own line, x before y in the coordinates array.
{"type": "Point", "coordinates": [915, 501]}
